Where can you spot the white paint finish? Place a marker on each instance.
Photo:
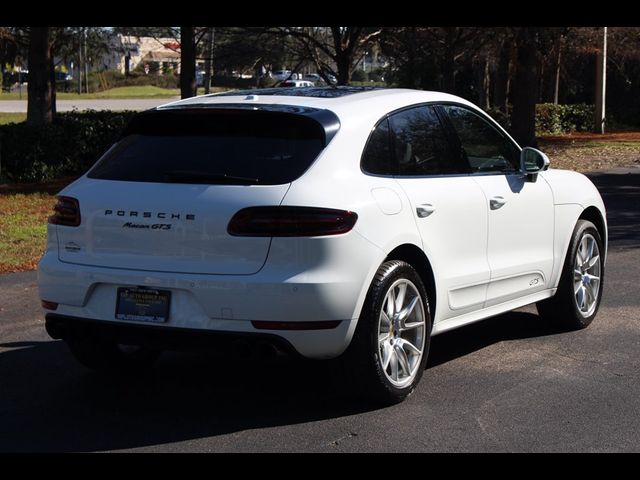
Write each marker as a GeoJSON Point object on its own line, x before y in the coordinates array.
{"type": "Point", "coordinates": [221, 282]}
{"type": "Point", "coordinates": [387, 199]}
{"type": "Point", "coordinates": [201, 245]}
{"type": "Point", "coordinates": [492, 311]}
{"type": "Point", "coordinates": [520, 232]}
{"type": "Point", "coordinates": [454, 238]}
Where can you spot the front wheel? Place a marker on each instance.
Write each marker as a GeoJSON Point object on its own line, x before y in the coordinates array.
{"type": "Point", "coordinates": [577, 299]}
{"type": "Point", "coordinates": [388, 353]}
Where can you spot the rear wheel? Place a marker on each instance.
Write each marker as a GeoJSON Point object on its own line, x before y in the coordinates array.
{"type": "Point", "coordinates": [106, 355]}
{"type": "Point", "coordinates": [577, 299]}
{"type": "Point", "coordinates": [388, 353]}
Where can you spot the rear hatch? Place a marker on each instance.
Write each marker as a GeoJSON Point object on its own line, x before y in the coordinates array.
{"type": "Point", "coordinates": [162, 197]}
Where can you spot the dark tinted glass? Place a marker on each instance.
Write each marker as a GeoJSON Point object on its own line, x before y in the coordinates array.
{"type": "Point", "coordinates": [421, 147]}
{"type": "Point", "coordinates": [264, 148]}
{"type": "Point", "coordinates": [377, 157]}
{"type": "Point", "coordinates": [487, 150]}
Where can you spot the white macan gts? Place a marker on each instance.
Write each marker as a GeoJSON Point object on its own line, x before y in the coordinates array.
{"type": "Point", "coordinates": [340, 223]}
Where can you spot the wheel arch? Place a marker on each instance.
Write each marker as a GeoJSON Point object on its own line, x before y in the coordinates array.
{"type": "Point", "coordinates": [416, 257]}
{"type": "Point", "coordinates": [594, 215]}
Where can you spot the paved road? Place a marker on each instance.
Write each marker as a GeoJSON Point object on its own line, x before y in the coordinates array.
{"type": "Point", "coordinates": [511, 383]}
{"type": "Point", "coordinates": [20, 106]}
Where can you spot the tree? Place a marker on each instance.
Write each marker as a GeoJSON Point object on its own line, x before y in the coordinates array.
{"type": "Point", "coordinates": [525, 88]}
{"type": "Point", "coordinates": [187, 62]}
{"type": "Point", "coordinates": [334, 50]}
{"type": "Point", "coordinates": [39, 105]}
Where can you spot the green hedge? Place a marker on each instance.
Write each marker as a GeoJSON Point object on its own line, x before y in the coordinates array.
{"type": "Point", "coordinates": [70, 145]}
{"type": "Point", "coordinates": [556, 119]}
{"type": "Point", "coordinates": [552, 119]}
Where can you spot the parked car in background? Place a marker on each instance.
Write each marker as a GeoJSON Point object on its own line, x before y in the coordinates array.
{"type": "Point", "coordinates": [297, 83]}
{"type": "Point", "coordinates": [343, 223]}
{"type": "Point", "coordinates": [281, 74]}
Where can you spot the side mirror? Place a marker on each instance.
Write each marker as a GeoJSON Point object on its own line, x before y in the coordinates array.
{"type": "Point", "coordinates": [533, 161]}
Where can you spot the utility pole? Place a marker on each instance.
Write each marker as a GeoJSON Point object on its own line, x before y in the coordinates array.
{"type": "Point", "coordinates": [86, 63]}
{"type": "Point", "coordinates": [601, 84]}
{"type": "Point", "coordinates": [80, 63]}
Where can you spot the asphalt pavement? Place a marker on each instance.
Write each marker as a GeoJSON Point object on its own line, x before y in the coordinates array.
{"type": "Point", "coordinates": [511, 383]}
{"type": "Point", "coordinates": [116, 104]}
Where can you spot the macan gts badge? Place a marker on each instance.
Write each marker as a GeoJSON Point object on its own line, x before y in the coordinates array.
{"type": "Point", "coordinates": [340, 223]}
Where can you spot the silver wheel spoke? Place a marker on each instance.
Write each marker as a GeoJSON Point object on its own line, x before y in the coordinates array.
{"type": "Point", "coordinates": [402, 291]}
{"type": "Point", "coordinates": [391, 303]}
{"type": "Point", "coordinates": [581, 295]}
{"type": "Point", "coordinates": [406, 311]}
{"type": "Point", "coordinates": [412, 325]}
{"type": "Point", "coordinates": [394, 364]}
{"type": "Point", "coordinates": [595, 259]}
{"type": "Point", "coordinates": [411, 347]}
{"type": "Point", "coordinates": [402, 359]}
{"type": "Point", "coordinates": [387, 350]}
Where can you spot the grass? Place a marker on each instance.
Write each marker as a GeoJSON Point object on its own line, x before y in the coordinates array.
{"type": "Point", "coordinates": [12, 118]}
{"type": "Point", "coordinates": [144, 91]}
{"type": "Point", "coordinates": [23, 229]}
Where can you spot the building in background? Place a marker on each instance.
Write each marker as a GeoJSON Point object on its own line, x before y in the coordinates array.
{"type": "Point", "coordinates": [149, 54]}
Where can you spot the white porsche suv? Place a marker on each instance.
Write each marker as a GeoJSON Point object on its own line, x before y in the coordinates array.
{"type": "Point", "coordinates": [346, 223]}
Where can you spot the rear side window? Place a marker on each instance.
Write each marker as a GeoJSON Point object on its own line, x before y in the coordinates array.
{"type": "Point", "coordinates": [209, 147]}
{"type": "Point", "coordinates": [486, 149]}
{"type": "Point", "coordinates": [420, 143]}
{"type": "Point", "coordinates": [377, 157]}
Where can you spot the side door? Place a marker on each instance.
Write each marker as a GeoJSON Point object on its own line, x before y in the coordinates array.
{"type": "Point", "coordinates": [520, 211]}
{"type": "Point", "coordinates": [448, 206]}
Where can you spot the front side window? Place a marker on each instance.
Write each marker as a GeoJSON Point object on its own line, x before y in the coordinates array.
{"type": "Point", "coordinates": [486, 149]}
{"type": "Point", "coordinates": [420, 144]}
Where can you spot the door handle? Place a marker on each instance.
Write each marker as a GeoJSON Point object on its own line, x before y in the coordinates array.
{"type": "Point", "coordinates": [497, 202]}
{"type": "Point", "coordinates": [425, 210]}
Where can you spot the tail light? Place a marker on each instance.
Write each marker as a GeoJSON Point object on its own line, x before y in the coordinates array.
{"type": "Point", "coordinates": [290, 222]}
{"type": "Point", "coordinates": [67, 212]}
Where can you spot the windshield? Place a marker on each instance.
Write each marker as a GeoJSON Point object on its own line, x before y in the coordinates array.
{"type": "Point", "coordinates": [211, 147]}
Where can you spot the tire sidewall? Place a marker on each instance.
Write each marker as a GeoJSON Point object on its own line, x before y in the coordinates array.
{"type": "Point", "coordinates": [582, 227]}
{"type": "Point", "coordinates": [391, 272]}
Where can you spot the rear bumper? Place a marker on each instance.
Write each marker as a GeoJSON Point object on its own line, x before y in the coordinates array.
{"type": "Point", "coordinates": [170, 338]}
{"type": "Point", "coordinates": [317, 280]}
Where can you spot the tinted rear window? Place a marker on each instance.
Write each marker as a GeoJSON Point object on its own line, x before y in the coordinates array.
{"type": "Point", "coordinates": [268, 147]}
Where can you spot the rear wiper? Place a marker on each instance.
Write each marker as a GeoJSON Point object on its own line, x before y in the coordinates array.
{"type": "Point", "coordinates": [186, 176]}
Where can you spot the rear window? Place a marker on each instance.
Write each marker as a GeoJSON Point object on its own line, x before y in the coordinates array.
{"type": "Point", "coordinates": [213, 146]}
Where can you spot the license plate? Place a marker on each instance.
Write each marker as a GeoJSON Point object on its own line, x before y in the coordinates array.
{"type": "Point", "coordinates": [143, 304]}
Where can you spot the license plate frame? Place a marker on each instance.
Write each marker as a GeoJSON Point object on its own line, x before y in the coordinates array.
{"type": "Point", "coordinates": [143, 304]}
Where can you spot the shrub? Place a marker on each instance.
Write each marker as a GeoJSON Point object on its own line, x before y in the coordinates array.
{"type": "Point", "coordinates": [68, 146]}
{"type": "Point", "coordinates": [556, 119]}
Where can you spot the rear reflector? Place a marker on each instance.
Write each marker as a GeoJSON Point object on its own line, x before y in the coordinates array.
{"type": "Point", "coordinates": [290, 222]}
{"type": "Point", "coordinates": [48, 305]}
{"type": "Point", "coordinates": [67, 212]}
{"type": "Point", "coordinates": [326, 325]}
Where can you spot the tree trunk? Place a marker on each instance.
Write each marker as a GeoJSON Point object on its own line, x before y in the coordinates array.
{"type": "Point", "coordinates": [52, 72]}
{"type": "Point", "coordinates": [39, 106]}
{"type": "Point", "coordinates": [448, 62]}
{"type": "Point", "coordinates": [187, 62]}
{"type": "Point", "coordinates": [208, 62]}
{"type": "Point", "coordinates": [525, 89]}
{"type": "Point", "coordinates": [501, 83]}
{"type": "Point", "coordinates": [556, 83]}
{"type": "Point", "coordinates": [343, 65]}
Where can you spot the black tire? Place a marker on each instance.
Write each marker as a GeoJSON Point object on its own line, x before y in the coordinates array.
{"type": "Point", "coordinates": [360, 368]}
{"type": "Point", "coordinates": [105, 355]}
{"type": "Point", "coordinates": [563, 307]}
